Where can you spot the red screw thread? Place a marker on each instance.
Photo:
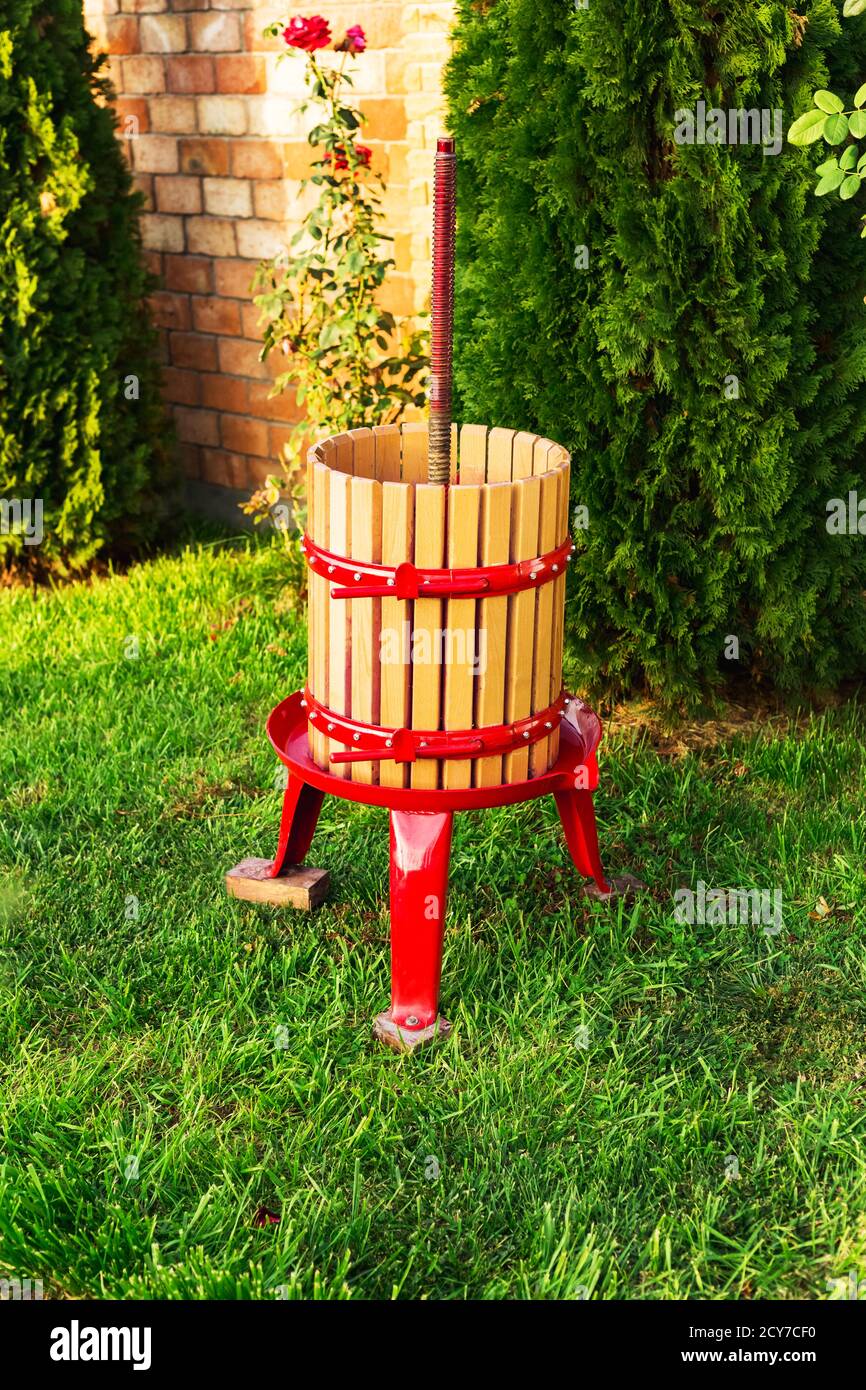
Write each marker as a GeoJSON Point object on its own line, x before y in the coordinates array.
{"type": "Point", "coordinates": [442, 312]}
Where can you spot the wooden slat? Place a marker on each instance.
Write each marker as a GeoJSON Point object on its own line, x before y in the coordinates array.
{"type": "Point", "coordinates": [364, 453]}
{"type": "Point", "coordinates": [562, 474]}
{"type": "Point", "coordinates": [342, 453]}
{"type": "Point", "coordinates": [495, 535]}
{"type": "Point", "coordinates": [398, 514]}
{"type": "Point", "coordinates": [521, 621]}
{"type": "Point", "coordinates": [543, 455]}
{"type": "Point", "coordinates": [453, 473]}
{"type": "Point", "coordinates": [521, 455]}
{"type": "Point", "coordinates": [366, 524]}
{"type": "Point", "coordinates": [545, 638]}
{"type": "Point", "coordinates": [427, 672]}
{"type": "Point", "coordinates": [317, 670]}
{"type": "Point", "coordinates": [464, 508]}
{"type": "Point", "coordinates": [499, 443]}
{"type": "Point", "coordinates": [414, 453]}
{"type": "Point", "coordinates": [340, 620]}
{"type": "Point", "coordinates": [473, 453]}
{"type": "Point", "coordinates": [386, 439]}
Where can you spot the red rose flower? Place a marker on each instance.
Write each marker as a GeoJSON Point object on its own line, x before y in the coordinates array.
{"type": "Point", "coordinates": [340, 159]}
{"type": "Point", "coordinates": [354, 42]}
{"type": "Point", "coordinates": [308, 34]}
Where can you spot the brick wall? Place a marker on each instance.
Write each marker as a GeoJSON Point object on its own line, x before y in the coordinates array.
{"type": "Point", "coordinates": [206, 121]}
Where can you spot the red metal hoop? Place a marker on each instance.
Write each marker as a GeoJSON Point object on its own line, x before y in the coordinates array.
{"type": "Point", "coordinates": [361, 580]}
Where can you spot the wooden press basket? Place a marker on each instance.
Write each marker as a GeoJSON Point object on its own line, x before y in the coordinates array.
{"type": "Point", "coordinates": [369, 499]}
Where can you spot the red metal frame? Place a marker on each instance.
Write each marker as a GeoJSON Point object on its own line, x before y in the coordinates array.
{"type": "Point", "coordinates": [421, 822]}
{"type": "Point", "coordinates": [360, 579]}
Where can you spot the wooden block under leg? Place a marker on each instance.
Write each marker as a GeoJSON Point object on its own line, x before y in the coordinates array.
{"type": "Point", "coordinates": [299, 886]}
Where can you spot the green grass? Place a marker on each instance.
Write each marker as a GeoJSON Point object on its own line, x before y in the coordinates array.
{"type": "Point", "coordinates": [226, 1048]}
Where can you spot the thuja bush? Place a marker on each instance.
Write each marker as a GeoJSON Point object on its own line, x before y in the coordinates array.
{"type": "Point", "coordinates": [645, 275]}
{"type": "Point", "coordinates": [81, 433]}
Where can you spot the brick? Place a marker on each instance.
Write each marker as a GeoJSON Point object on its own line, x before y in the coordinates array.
{"type": "Point", "coordinates": [181, 387]}
{"type": "Point", "coordinates": [278, 437]}
{"type": "Point", "coordinates": [233, 278]}
{"type": "Point", "coordinates": [229, 4]}
{"type": "Point", "coordinates": [215, 32]}
{"type": "Point", "coordinates": [143, 183]}
{"type": "Point", "coordinates": [190, 460]}
{"type": "Point", "coordinates": [121, 34]}
{"type": "Point", "coordinates": [241, 358]}
{"type": "Point", "coordinates": [386, 119]}
{"type": "Point", "coordinates": [211, 236]}
{"type": "Point", "coordinates": [259, 159]}
{"type": "Point", "coordinates": [196, 426]}
{"type": "Point", "coordinates": [254, 39]}
{"type": "Point", "coordinates": [152, 261]}
{"type": "Point", "coordinates": [170, 310]}
{"type": "Point", "coordinates": [190, 4]}
{"type": "Point", "coordinates": [162, 355]}
{"type": "Point", "coordinates": [241, 72]}
{"type": "Point", "coordinates": [222, 115]}
{"type": "Point", "coordinates": [204, 156]}
{"type": "Point", "coordinates": [155, 154]}
{"type": "Point", "coordinates": [272, 200]}
{"type": "Point", "coordinates": [162, 33]}
{"type": "Point", "coordinates": [212, 315]}
{"type": "Point", "coordinates": [266, 407]}
{"type": "Point", "coordinates": [132, 116]}
{"type": "Point", "coordinates": [159, 233]}
{"type": "Point", "coordinates": [194, 351]}
{"type": "Point", "coordinates": [114, 72]}
{"type": "Point", "coordinates": [274, 116]}
{"type": "Point", "coordinates": [244, 436]}
{"type": "Point", "coordinates": [217, 467]}
{"type": "Point", "coordinates": [178, 193]}
{"type": "Point", "coordinates": [143, 75]}
{"type": "Point", "coordinates": [192, 274]}
{"type": "Point", "coordinates": [254, 472]}
{"type": "Point", "coordinates": [144, 6]}
{"type": "Point", "coordinates": [174, 114]}
{"type": "Point", "coordinates": [259, 240]}
{"type": "Point", "coordinates": [251, 316]}
{"type": "Point", "coordinates": [296, 161]}
{"type": "Point", "coordinates": [228, 197]}
{"type": "Point", "coordinates": [225, 393]}
{"type": "Point", "coordinates": [192, 73]}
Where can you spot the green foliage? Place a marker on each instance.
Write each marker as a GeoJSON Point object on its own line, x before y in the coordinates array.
{"type": "Point", "coordinates": [707, 366]}
{"type": "Point", "coordinates": [349, 360]}
{"type": "Point", "coordinates": [73, 330]}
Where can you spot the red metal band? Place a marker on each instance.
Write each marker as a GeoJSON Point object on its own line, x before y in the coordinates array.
{"type": "Point", "coordinates": [369, 743]}
{"type": "Point", "coordinates": [361, 580]}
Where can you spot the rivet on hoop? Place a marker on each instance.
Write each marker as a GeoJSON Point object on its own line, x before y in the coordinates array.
{"type": "Point", "coordinates": [566, 701]}
{"type": "Point", "coordinates": [303, 704]}
{"type": "Point", "coordinates": [330, 569]}
{"type": "Point", "coordinates": [526, 733]}
{"type": "Point", "coordinates": [356, 737]}
{"type": "Point", "coordinates": [389, 742]}
{"type": "Point", "coordinates": [555, 569]}
{"type": "Point", "coordinates": [547, 724]}
{"type": "Point", "coordinates": [391, 583]}
{"type": "Point", "coordinates": [423, 743]}
{"type": "Point", "coordinates": [330, 728]}
{"type": "Point", "coordinates": [533, 573]}
{"type": "Point", "coordinates": [356, 576]}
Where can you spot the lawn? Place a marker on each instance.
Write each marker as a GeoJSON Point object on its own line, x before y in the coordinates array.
{"type": "Point", "coordinates": [628, 1107]}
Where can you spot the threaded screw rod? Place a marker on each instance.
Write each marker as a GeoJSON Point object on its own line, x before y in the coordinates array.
{"type": "Point", "coordinates": [442, 312]}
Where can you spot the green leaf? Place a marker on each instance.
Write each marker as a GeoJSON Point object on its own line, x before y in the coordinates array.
{"type": "Point", "coordinates": [828, 101]}
{"type": "Point", "coordinates": [848, 157]}
{"type": "Point", "coordinates": [850, 187]}
{"type": "Point", "coordinates": [857, 124]}
{"type": "Point", "coordinates": [861, 162]}
{"type": "Point", "coordinates": [836, 129]}
{"type": "Point", "coordinates": [831, 163]}
{"type": "Point", "coordinates": [329, 336]}
{"type": "Point", "coordinates": [860, 95]}
{"type": "Point", "coordinates": [852, 7]}
{"type": "Point", "coordinates": [807, 128]}
{"type": "Point", "coordinates": [830, 181]}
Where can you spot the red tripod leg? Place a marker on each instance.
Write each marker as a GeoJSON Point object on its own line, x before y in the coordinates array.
{"type": "Point", "coordinates": [420, 850]}
{"type": "Point", "coordinates": [301, 807]}
{"type": "Point", "coordinates": [578, 821]}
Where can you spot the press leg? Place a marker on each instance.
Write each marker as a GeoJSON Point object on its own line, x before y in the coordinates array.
{"type": "Point", "coordinates": [420, 851]}
{"type": "Point", "coordinates": [301, 807]}
{"type": "Point", "coordinates": [578, 821]}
